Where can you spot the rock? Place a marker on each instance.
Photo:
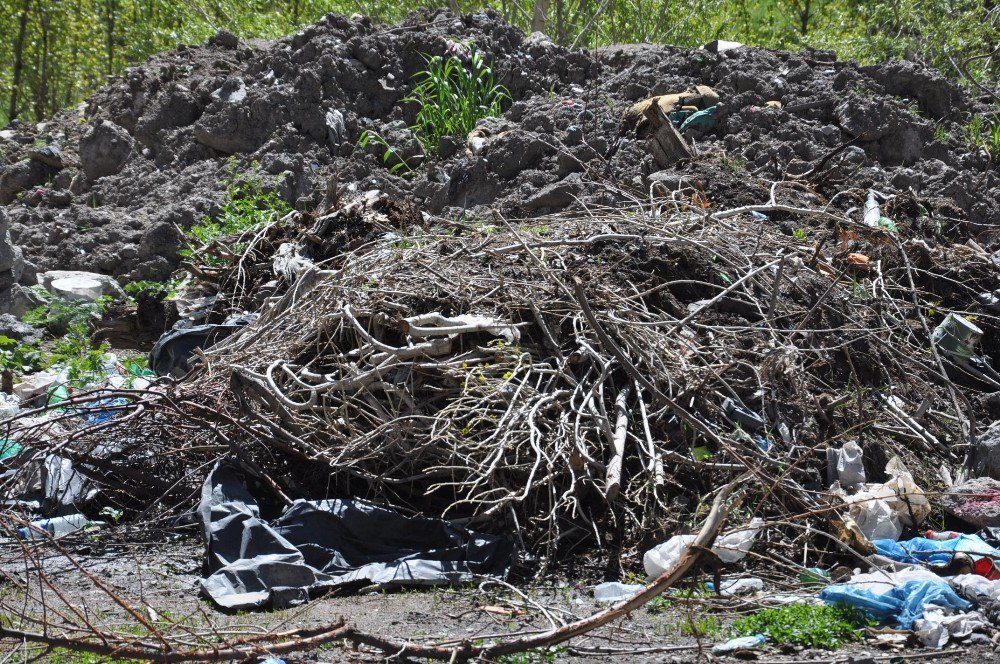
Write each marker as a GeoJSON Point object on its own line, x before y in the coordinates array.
{"type": "Point", "coordinates": [985, 458]}
{"type": "Point", "coordinates": [511, 153]}
{"type": "Point", "coordinates": [976, 501]}
{"type": "Point", "coordinates": [177, 107]}
{"type": "Point", "coordinates": [672, 181]}
{"type": "Point", "coordinates": [20, 177]}
{"type": "Point", "coordinates": [11, 258]}
{"type": "Point", "coordinates": [557, 195]}
{"type": "Point", "coordinates": [80, 286]}
{"type": "Point", "coordinates": [721, 46]}
{"type": "Point", "coordinates": [12, 328]}
{"type": "Point", "coordinates": [225, 39]}
{"type": "Point", "coordinates": [49, 155]}
{"type": "Point", "coordinates": [232, 125]}
{"type": "Point", "coordinates": [17, 300]}
{"type": "Point", "coordinates": [104, 149]}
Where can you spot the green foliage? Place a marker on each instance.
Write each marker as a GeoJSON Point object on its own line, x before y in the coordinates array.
{"type": "Point", "coordinates": [21, 358]}
{"type": "Point", "coordinates": [453, 95]}
{"type": "Point", "coordinates": [984, 134]}
{"type": "Point", "coordinates": [536, 656]}
{"type": "Point", "coordinates": [390, 158]}
{"type": "Point", "coordinates": [247, 207]}
{"type": "Point", "coordinates": [59, 316]}
{"type": "Point", "coordinates": [809, 625]}
{"type": "Point", "coordinates": [153, 289]}
{"type": "Point", "coordinates": [72, 349]}
{"type": "Point", "coordinates": [700, 626]}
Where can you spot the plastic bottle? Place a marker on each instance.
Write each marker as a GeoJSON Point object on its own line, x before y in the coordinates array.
{"type": "Point", "coordinates": [56, 527]}
{"type": "Point", "coordinates": [872, 211]}
{"type": "Point", "coordinates": [613, 592]}
{"type": "Point", "coordinates": [942, 535]}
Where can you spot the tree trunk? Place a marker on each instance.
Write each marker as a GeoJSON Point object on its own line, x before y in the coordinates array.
{"type": "Point", "coordinates": [22, 28]}
{"type": "Point", "coordinates": [539, 15]}
{"type": "Point", "coordinates": [110, 18]}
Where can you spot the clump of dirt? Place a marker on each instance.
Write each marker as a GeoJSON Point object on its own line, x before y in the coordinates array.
{"type": "Point", "coordinates": [145, 157]}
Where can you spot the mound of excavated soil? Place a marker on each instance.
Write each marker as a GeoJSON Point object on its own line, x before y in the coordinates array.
{"type": "Point", "coordinates": [146, 156]}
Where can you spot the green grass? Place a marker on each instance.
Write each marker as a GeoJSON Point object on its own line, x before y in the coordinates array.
{"type": "Point", "coordinates": [809, 625]}
{"type": "Point", "coordinates": [452, 94]}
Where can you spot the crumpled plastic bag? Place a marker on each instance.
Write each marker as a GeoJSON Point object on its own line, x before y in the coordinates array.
{"type": "Point", "coordinates": [937, 627]}
{"type": "Point", "coordinates": [937, 552]}
{"type": "Point", "coordinates": [850, 465]}
{"type": "Point", "coordinates": [730, 548]}
{"type": "Point", "coordinates": [976, 588]}
{"type": "Point", "coordinates": [901, 605]}
{"type": "Point", "coordinates": [881, 511]}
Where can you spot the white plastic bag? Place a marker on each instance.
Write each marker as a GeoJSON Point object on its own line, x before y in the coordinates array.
{"type": "Point", "coordinates": [850, 467]}
{"type": "Point", "coordinates": [730, 548]}
{"type": "Point", "coordinates": [883, 510]}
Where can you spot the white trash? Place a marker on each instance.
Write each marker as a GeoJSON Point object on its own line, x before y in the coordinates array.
{"type": "Point", "coordinates": [883, 510]}
{"type": "Point", "coordinates": [742, 643]}
{"type": "Point", "coordinates": [57, 527]}
{"type": "Point", "coordinates": [737, 587]}
{"type": "Point", "coordinates": [613, 592]}
{"type": "Point", "coordinates": [730, 548]}
{"type": "Point", "coordinates": [850, 465]}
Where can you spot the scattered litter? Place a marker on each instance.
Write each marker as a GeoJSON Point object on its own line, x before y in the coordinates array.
{"type": "Point", "coordinates": [881, 511]}
{"type": "Point", "coordinates": [612, 592]}
{"type": "Point", "coordinates": [730, 548]}
{"type": "Point", "coordinates": [737, 587]}
{"type": "Point", "coordinates": [170, 354]}
{"type": "Point", "coordinates": [957, 336]}
{"type": "Point", "coordinates": [901, 605]}
{"type": "Point", "coordinates": [315, 546]}
{"type": "Point", "coordinates": [938, 626]}
{"type": "Point", "coordinates": [741, 643]}
{"type": "Point", "coordinates": [55, 527]}
{"type": "Point", "coordinates": [848, 465]}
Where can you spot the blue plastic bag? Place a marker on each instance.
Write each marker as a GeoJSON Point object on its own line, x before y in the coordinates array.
{"type": "Point", "coordinates": [938, 552]}
{"type": "Point", "coordinates": [102, 416]}
{"type": "Point", "coordinates": [901, 605]}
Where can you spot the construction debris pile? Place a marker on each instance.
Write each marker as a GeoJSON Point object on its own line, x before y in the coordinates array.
{"type": "Point", "coordinates": [561, 341]}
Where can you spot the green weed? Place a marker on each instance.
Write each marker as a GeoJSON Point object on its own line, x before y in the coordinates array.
{"type": "Point", "coordinates": [453, 94]}
{"type": "Point", "coordinates": [248, 206]}
{"type": "Point", "coordinates": [809, 625]}
{"type": "Point", "coordinates": [799, 233]}
{"type": "Point", "coordinates": [701, 627]}
{"type": "Point", "coordinates": [391, 159]}
{"type": "Point", "coordinates": [731, 163]}
{"type": "Point", "coordinates": [535, 656]}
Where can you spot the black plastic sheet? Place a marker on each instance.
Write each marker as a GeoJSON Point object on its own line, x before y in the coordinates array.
{"type": "Point", "coordinates": [318, 545]}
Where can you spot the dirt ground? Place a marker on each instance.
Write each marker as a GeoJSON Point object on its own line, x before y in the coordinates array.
{"type": "Point", "coordinates": [161, 582]}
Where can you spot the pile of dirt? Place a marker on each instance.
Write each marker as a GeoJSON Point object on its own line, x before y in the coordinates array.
{"type": "Point", "coordinates": [145, 157]}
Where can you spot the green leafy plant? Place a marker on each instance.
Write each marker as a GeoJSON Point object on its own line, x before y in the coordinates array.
{"type": "Point", "coordinates": [19, 357]}
{"type": "Point", "coordinates": [799, 233]}
{"type": "Point", "coordinates": [391, 159]}
{"type": "Point", "coordinates": [248, 206]}
{"type": "Point", "coordinates": [453, 93]}
{"type": "Point", "coordinates": [809, 625]}
{"type": "Point", "coordinates": [536, 656]}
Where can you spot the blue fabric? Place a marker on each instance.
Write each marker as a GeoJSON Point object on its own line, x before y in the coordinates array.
{"type": "Point", "coordinates": [923, 550]}
{"type": "Point", "coordinates": [705, 119]}
{"type": "Point", "coordinates": [901, 605]}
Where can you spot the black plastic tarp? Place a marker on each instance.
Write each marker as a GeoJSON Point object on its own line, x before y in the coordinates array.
{"type": "Point", "coordinates": [317, 545]}
{"type": "Point", "coordinates": [170, 353]}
